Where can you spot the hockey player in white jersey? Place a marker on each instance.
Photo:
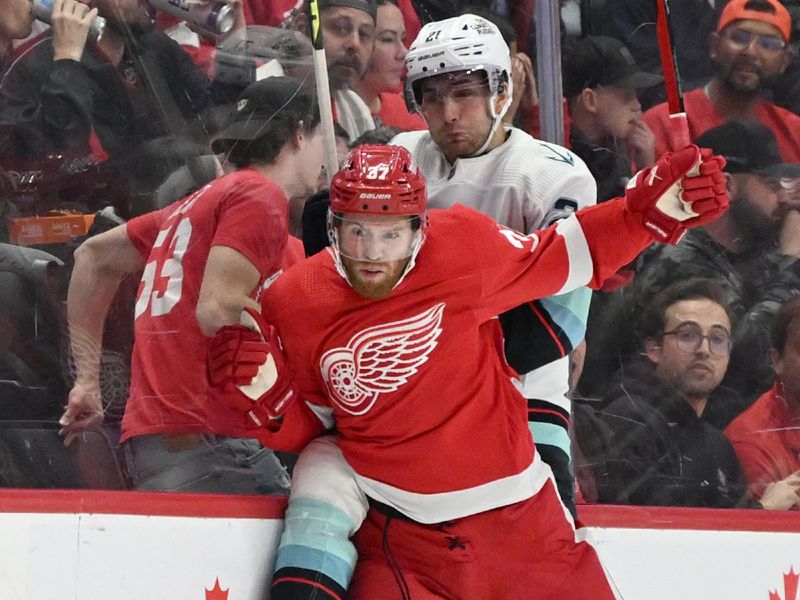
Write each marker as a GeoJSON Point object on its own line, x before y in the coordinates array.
{"type": "Point", "coordinates": [459, 80]}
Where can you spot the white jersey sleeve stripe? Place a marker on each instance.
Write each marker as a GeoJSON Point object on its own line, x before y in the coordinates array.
{"type": "Point", "coordinates": [581, 267]}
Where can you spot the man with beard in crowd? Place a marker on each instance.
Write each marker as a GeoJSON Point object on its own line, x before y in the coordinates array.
{"type": "Point", "coordinates": [348, 32]}
{"type": "Point", "coordinates": [753, 249]}
{"type": "Point", "coordinates": [749, 50]}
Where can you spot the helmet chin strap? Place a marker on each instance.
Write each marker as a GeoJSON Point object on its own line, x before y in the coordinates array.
{"type": "Point", "coordinates": [497, 117]}
{"type": "Point", "coordinates": [412, 259]}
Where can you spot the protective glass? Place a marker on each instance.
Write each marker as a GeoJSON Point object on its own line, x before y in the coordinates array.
{"type": "Point", "coordinates": [375, 238]}
{"type": "Point", "coordinates": [741, 39]}
{"type": "Point", "coordinates": [689, 338]}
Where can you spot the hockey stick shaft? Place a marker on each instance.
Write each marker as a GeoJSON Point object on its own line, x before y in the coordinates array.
{"type": "Point", "coordinates": [679, 126]}
{"type": "Point", "coordinates": [323, 90]}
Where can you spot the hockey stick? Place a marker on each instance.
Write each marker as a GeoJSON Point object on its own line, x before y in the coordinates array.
{"type": "Point", "coordinates": [679, 126]}
{"type": "Point", "coordinates": [323, 91]}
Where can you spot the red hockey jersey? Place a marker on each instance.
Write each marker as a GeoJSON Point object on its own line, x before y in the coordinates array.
{"type": "Point", "coordinates": [416, 383]}
{"type": "Point", "coordinates": [170, 392]}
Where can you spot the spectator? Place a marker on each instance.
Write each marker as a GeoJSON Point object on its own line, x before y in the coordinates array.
{"type": "Point", "coordinates": [601, 82]}
{"type": "Point", "coordinates": [348, 32]}
{"type": "Point", "coordinates": [204, 259]}
{"type": "Point", "coordinates": [104, 99]}
{"type": "Point", "coordinates": [785, 89]}
{"type": "Point", "coordinates": [748, 49]}
{"type": "Point", "coordinates": [15, 24]}
{"type": "Point", "coordinates": [397, 319]}
{"type": "Point", "coordinates": [666, 409]}
{"type": "Point", "coordinates": [753, 249]}
{"type": "Point", "coordinates": [633, 22]}
{"type": "Point", "coordinates": [468, 156]}
{"type": "Point", "coordinates": [381, 85]}
{"type": "Point", "coordinates": [766, 436]}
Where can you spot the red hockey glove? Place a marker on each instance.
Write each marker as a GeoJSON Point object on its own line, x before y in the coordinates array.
{"type": "Point", "coordinates": [683, 189]}
{"type": "Point", "coordinates": [247, 362]}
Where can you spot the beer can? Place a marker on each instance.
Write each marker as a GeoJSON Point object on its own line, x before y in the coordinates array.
{"type": "Point", "coordinates": [215, 17]}
{"type": "Point", "coordinates": [43, 9]}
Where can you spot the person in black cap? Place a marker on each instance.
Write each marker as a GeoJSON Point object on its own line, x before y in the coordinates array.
{"type": "Point", "coordinates": [203, 258]}
{"type": "Point", "coordinates": [601, 82]}
{"type": "Point", "coordinates": [753, 248]}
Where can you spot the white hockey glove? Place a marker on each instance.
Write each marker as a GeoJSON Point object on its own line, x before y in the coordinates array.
{"type": "Point", "coordinates": [247, 362]}
{"type": "Point", "coordinates": [681, 190]}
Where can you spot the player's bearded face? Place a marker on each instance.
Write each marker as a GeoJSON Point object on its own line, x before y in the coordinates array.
{"type": "Point", "coordinates": [375, 252]}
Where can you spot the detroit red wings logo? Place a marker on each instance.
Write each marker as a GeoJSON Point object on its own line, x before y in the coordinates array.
{"type": "Point", "coordinates": [380, 359]}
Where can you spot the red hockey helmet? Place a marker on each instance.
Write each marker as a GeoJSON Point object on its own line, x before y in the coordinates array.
{"type": "Point", "coordinates": [379, 180]}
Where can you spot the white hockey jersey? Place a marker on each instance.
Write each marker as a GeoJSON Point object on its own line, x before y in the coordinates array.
{"type": "Point", "coordinates": [525, 184]}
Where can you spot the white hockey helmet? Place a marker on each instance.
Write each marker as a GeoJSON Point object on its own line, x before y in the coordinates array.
{"type": "Point", "coordinates": [463, 43]}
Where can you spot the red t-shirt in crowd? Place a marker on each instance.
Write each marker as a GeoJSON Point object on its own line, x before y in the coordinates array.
{"type": "Point", "coordinates": [395, 114]}
{"type": "Point", "coordinates": [170, 392]}
{"type": "Point", "coordinates": [766, 438]}
{"type": "Point", "coordinates": [702, 116]}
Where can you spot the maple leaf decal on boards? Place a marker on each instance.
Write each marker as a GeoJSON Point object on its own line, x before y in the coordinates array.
{"type": "Point", "coordinates": [217, 593]}
{"type": "Point", "coordinates": [791, 581]}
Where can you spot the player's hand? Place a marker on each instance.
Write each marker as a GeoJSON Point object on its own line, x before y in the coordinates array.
{"type": "Point", "coordinates": [681, 190]}
{"type": "Point", "coordinates": [783, 494]}
{"type": "Point", "coordinates": [84, 408]}
{"type": "Point", "coordinates": [70, 24]}
{"type": "Point", "coordinates": [246, 361]}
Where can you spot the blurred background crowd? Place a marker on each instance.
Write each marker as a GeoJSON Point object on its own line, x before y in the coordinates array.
{"type": "Point", "coordinates": [685, 388]}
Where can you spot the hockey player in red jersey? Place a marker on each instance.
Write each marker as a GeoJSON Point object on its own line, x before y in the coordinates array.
{"type": "Point", "coordinates": [391, 336]}
{"type": "Point", "coordinates": [203, 259]}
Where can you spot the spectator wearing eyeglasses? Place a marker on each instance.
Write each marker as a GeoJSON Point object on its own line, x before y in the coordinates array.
{"type": "Point", "coordinates": [749, 50]}
{"type": "Point", "coordinates": [666, 410]}
{"type": "Point", "coordinates": [753, 249]}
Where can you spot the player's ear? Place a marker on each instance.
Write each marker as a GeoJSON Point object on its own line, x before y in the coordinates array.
{"type": "Point", "coordinates": [502, 95]}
